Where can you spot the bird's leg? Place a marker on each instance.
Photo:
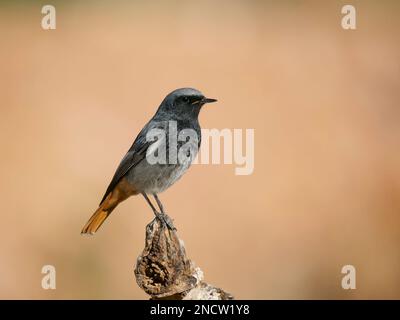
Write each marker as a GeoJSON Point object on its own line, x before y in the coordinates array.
{"type": "Point", "coordinates": [150, 204]}
{"type": "Point", "coordinates": [167, 219]}
{"type": "Point", "coordinates": [159, 203]}
{"type": "Point", "coordinates": [161, 216]}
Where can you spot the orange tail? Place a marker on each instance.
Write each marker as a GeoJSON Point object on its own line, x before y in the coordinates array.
{"type": "Point", "coordinates": [96, 220]}
{"type": "Point", "coordinates": [122, 191]}
{"type": "Point", "coordinates": [101, 214]}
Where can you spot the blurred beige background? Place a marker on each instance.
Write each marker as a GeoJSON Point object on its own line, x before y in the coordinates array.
{"type": "Point", "coordinates": [324, 103]}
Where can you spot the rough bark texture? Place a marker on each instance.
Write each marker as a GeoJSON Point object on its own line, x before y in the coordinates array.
{"type": "Point", "coordinates": [164, 271]}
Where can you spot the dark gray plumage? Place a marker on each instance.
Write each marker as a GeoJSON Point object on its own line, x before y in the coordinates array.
{"type": "Point", "coordinates": [135, 174]}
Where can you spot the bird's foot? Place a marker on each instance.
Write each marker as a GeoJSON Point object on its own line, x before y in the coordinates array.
{"type": "Point", "coordinates": [165, 220]}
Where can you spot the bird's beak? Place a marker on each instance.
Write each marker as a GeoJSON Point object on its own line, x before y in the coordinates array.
{"type": "Point", "coordinates": [207, 100]}
{"type": "Point", "coordinates": [203, 101]}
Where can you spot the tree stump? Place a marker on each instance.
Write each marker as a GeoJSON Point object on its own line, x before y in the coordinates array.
{"type": "Point", "coordinates": [164, 271]}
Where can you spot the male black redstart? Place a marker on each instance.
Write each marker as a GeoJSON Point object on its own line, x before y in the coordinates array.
{"type": "Point", "coordinates": [136, 174]}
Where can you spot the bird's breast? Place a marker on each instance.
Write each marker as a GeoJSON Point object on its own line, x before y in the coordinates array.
{"type": "Point", "coordinates": [156, 178]}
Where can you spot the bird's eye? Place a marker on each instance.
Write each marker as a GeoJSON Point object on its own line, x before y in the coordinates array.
{"type": "Point", "coordinates": [186, 99]}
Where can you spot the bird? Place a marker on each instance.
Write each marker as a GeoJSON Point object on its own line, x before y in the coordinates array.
{"type": "Point", "coordinates": [136, 174]}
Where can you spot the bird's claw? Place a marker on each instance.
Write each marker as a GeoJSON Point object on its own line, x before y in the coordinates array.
{"type": "Point", "coordinates": [165, 220]}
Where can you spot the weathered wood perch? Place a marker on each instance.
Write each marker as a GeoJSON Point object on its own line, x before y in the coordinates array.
{"type": "Point", "coordinates": [164, 271]}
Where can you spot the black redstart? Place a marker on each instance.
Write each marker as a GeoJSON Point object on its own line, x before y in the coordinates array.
{"type": "Point", "coordinates": [136, 174]}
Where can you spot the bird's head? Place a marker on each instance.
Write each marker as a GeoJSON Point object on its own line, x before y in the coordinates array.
{"type": "Point", "coordinates": [184, 102]}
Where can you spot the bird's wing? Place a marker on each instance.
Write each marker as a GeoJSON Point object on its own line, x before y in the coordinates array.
{"type": "Point", "coordinates": [136, 153]}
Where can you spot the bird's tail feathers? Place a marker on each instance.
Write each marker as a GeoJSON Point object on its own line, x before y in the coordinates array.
{"type": "Point", "coordinates": [98, 218]}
